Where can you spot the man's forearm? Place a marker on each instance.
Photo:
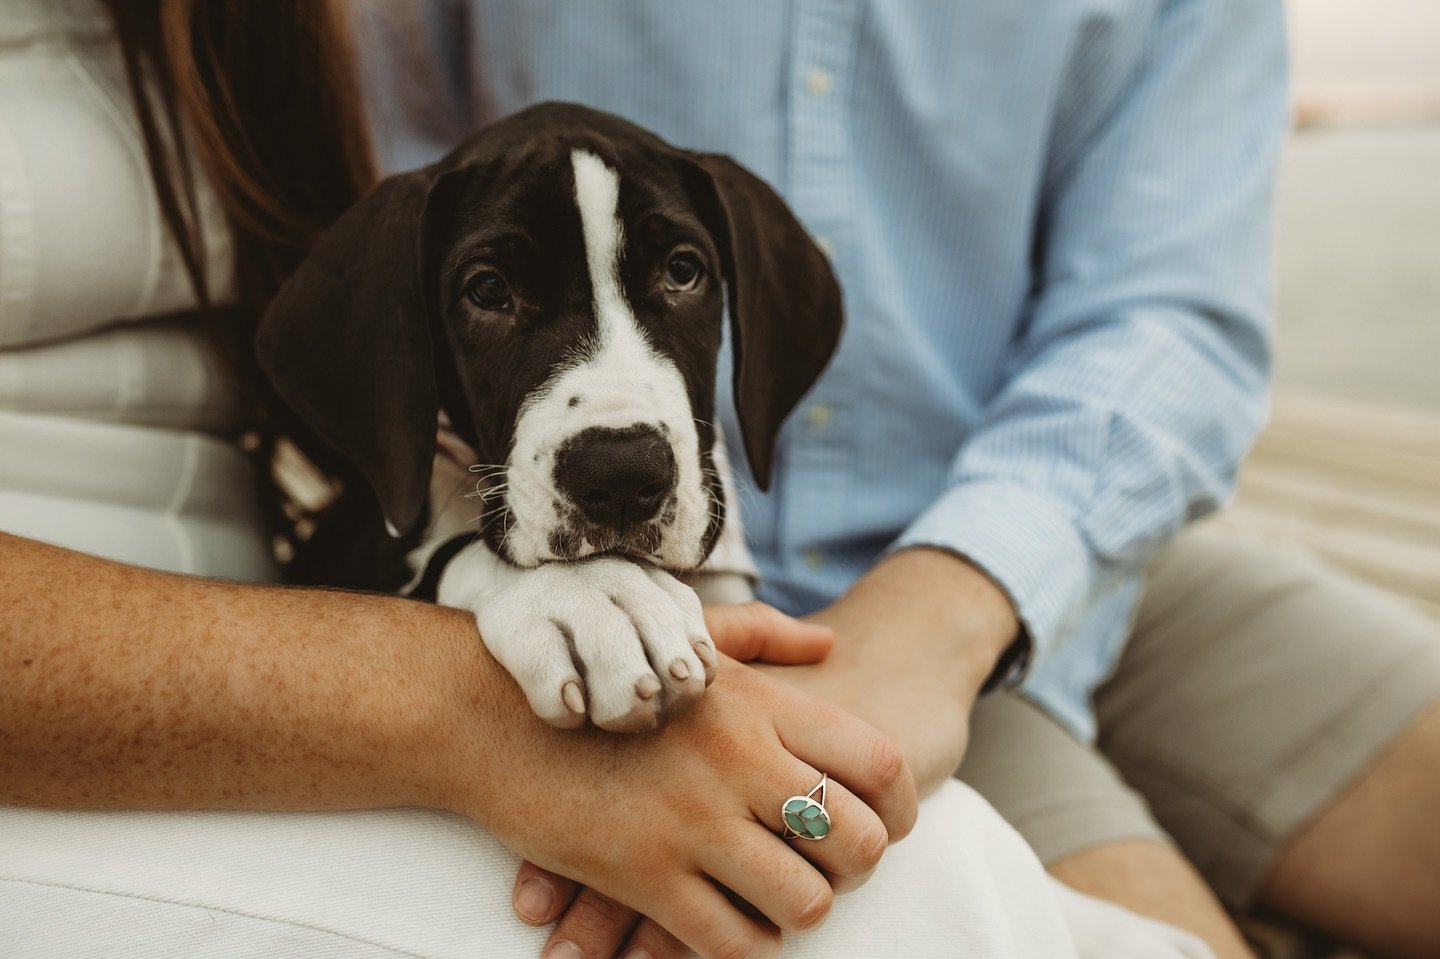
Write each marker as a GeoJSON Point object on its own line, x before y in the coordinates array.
{"type": "Point", "coordinates": [128, 688]}
{"type": "Point", "coordinates": [952, 605]}
{"type": "Point", "coordinates": [916, 638]}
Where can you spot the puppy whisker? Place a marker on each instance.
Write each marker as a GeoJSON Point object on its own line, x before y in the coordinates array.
{"type": "Point", "coordinates": [509, 528]}
{"type": "Point", "coordinates": [482, 487]}
{"type": "Point", "coordinates": [484, 474]}
{"type": "Point", "coordinates": [497, 517]}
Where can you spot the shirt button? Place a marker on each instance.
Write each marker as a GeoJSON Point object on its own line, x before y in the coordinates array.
{"type": "Point", "coordinates": [819, 415]}
{"type": "Point", "coordinates": [814, 558]}
{"type": "Point", "coordinates": [819, 81]}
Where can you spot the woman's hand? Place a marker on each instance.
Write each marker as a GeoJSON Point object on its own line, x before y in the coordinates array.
{"type": "Point", "coordinates": [749, 632]}
{"type": "Point", "coordinates": [917, 637]}
{"type": "Point", "coordinates": [658, 821]}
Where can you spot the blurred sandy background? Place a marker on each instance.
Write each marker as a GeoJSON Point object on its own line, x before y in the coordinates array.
{"type": "Point", "coordinates": [1359, 227]}
{"type": "Point", "coordinates": [1350, 465]}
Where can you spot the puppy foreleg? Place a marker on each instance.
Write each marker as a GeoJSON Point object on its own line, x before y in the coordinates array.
{"type": "Point", "coordinates": [605, 638]}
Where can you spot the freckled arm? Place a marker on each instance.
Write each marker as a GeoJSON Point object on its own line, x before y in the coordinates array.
{"type": "Point", "coordinates": [127, 688]}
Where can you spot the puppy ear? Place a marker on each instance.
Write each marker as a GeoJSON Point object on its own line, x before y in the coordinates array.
{"type": "Point", "coordinates": [785, 304]}
{"type": "Point", "coordinates": [346, 344]}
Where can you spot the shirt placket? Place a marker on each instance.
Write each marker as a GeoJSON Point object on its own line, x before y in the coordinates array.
{"type": "Point", "coordinates": [820, 176]}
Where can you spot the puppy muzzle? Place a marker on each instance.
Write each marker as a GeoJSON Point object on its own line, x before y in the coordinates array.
{"type": "Point", "coordinates": [619, 478]}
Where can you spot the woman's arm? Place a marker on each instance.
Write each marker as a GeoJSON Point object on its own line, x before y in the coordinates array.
{"type": "Point", "coordinates": [131, 688]}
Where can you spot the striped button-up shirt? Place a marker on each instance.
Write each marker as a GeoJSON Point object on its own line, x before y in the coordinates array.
{"type": "Point", "coordinates": [1051, 221]}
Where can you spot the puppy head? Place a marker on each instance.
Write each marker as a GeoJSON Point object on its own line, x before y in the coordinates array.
{"type": "Point", "coordinates": [557, 285]}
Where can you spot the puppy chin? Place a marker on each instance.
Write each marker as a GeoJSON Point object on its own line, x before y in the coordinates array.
{"type": "Point", "coordinates": [516, 546]}
{"type": "Point", "coordinates": [528, 544]}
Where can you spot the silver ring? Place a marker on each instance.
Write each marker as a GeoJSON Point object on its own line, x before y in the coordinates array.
{"type": "Point", "coordinates": [805, 817]}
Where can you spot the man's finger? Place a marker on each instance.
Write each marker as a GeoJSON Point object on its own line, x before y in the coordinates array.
{"type": "Point", "coordinates": [540, 896]}
{"type": "Point", "coordinates": [595, 925]}
{"type": "Point", "coordinates": [760, 631]}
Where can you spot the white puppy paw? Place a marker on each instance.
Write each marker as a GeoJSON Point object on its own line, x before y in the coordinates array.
{"type": "Point", "coordinates": [606, 639]}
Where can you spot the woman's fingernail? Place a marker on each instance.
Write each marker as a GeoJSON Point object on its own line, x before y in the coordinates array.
{"type": "Point", "coordinates": [564, 949]}
{"type": "Point", "coordinates": [636, 952]}
{"type": "Point", "coordinates": [534, 899]}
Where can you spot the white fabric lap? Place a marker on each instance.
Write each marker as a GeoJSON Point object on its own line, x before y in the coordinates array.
{"type": "Point", "coordinates": [82, 242]}
{"type": "Point", "coordinates": [105, 406]}
{"type": "Point", "coordinates": [168, 499]}
{"type": "Point", "coordinates": [416, 883]}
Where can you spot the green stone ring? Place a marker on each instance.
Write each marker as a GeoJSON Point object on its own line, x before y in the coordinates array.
{"type": "Point", "coordinates": [805, 816]}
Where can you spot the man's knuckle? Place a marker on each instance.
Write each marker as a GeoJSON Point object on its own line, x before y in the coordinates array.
{"type": "Point", "coordinates": [764, 614]}
{"type": "Point", "coordinates": [594, 914]}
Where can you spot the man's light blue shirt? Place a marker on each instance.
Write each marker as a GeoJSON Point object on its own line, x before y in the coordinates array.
{"type": "Point", "coordinates": [1051, 221]}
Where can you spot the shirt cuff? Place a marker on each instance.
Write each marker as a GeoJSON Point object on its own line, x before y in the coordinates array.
{"type": "Point", "coordinates": [1024, 541]}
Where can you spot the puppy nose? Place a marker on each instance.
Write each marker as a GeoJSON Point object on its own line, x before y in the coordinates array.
{"type": "Point", "coordinates": [616, 477]}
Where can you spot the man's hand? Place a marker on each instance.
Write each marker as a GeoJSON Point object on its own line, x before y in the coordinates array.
{"type": "Point", "coordinates": [916, 638]}
{"type": "Point", "coordinates": [758, 632]}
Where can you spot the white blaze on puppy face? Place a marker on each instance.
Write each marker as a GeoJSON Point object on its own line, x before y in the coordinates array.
{"type": "Point", "coordinates": [616, 381]}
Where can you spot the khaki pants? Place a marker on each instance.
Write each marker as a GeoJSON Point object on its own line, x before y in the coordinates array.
{"type": "Point", "coordinates": [1257, 685]}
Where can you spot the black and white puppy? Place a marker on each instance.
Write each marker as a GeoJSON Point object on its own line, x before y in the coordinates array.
{"type": "Point", "coordinates": [557, 288]}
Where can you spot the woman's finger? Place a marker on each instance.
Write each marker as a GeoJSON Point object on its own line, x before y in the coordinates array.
{"type": "Point", "coordinates": [756, 630]}
{"type": "Point", "coordinates": [852, 752]}
{"type": "Point", "coordinates": [756, 865]}
{"type": "Point", "coordinates": [702, 917]}
{"type": "Point", "coordinates": [595, 925]}
{"type": "Point", "coordinates": [855, 839]}
{"type": "Point", "coordinates": [541, 896]}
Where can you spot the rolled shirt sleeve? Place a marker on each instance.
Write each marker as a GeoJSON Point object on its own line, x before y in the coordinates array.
{"type": "Point", "coordinates": [1138, 380]}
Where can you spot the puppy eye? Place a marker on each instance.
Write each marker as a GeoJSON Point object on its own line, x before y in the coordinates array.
{"type": "Point", "coordinates": [488, 290]}
{"type": "Point", "coordinates": [683, 272]}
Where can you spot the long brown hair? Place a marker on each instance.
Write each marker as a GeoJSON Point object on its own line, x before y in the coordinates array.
{"type": "Point", "coordinates": [264, 93]}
